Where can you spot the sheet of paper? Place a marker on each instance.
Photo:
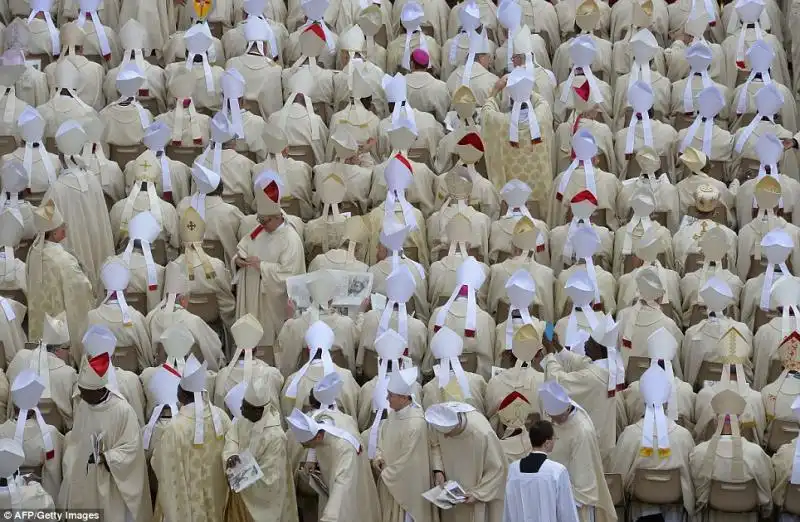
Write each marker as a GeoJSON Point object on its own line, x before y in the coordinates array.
{"type": "Point", "coordinates": [246, 473]}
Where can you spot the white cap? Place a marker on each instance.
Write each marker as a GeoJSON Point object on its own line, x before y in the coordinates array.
{"type": "Point", "coordinates": [716, 294]}
{"type": "Point", "coordinates": [582, 50]}
{"type": "Point", "coordinates": [520, 84]}
{"type": "Point", "coordinates": [304, 428]}
{"type": "Point", "coordinates": [401, 382]}
{"type": "Point", "coordinates": [115, 275]}
{"type": "Point", "coordinates": [55, 331]}
{"type": "Point", "coordinates": [98, 340]}
{"type": "Point", "coordinates": [233, 83]}
{"type": "Point", "coordinates": [163, 387]}
{"type": "Point", "coordinates": [555, 400]}
{"type": "Point", "coordinates": [13, 176]}
{"type": "Point", "coordinates": [661, 345]}
{"type": "Point", "coordinates": [11, 457]}
{"type": "Point", "coordinates": [585, 242]}
{"type": "Point", "coordinates": [521, 289]}
{"type": "Point", "coordinates": [205, 179]}
{"type": "Point", "coordinates": [177, 341]}
{"type": "Point", "coordinates": [194, 375]}
{"type": "Point", "coordinates": [328, 389]}
{"type": "Point", "coordinates": [777, 245]}
{"type": "Point", "coordinates": [221, 129]}
{"type": "Point", "coordinates": [393, 234]}
{"type": "Point", "coordinates": [446, 343]}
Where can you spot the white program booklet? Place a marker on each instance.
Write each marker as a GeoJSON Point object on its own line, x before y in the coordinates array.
{"type": "Point", "coordinates": [245, 473]}
{"type": "Point", "coordinates": [446, 496]}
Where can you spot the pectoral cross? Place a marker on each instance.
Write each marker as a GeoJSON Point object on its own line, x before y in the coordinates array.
{"type": "Point", "coordinates": [703, 229]}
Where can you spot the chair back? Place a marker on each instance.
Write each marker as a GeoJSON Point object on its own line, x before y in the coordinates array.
{"type": "Point", "coordinates": [381, 37]}
{"type": "Point", "coordinates": [251, 105]}
{"type": "Point", "coordinates": [791, 502]}
{"type": "Point", "coordinates": [731, 497]}
{"type": "Point", "coordinates": [216, 29]}
{"type": "Point", "coordinates": [237, 200]}
{"type": "Point", "coordinates": [304, 153]}
{"type": "Point", "coordinates": [15, 295]}
{"type": "Point", "coordinates": [781, 432]}
{"type": "Point", "coordinates": [709, 371]}
{"type": "Point", "coordinates": [615, 487]}
{"type": "Point", "coordinates": [126, 358]}
{"type": "Point", "coordinates": [775, 369]}
{"type": "Point", "coordinates": [762, 317]}
{"type": "Point", "coordinates": [137, 301]}
{"type": "Point", "coordinates": [658, 486]}
{"type": "Point", "coordinates": [213, 247]}
{"type": "Point", "coordinates": [338, 357]}
{"type": "Point", "coordinates": [507, 359]}
{"type": "Point", "coordinates": [636, 366]}
{"type": "Point", "coordinates": [469, 362]}
{"type": "Point", "coordinates": [123, 154]}
{"type": "Point", "coordinates": [24, 246]}
{"type": "Point", "coordinates": [35, 198]}
{"type": "Point", "coordinates": [51, 414]}
{"type": "Point", "coordinates": [8, 144]}
{"type": "Point", "coordinates": [265, 353]}
{"type": "Point", "coordinates": [717, 171]}
{"type": "Point", "coordinates": [204, 306]}
{"type": "Point", "coordinates": [683, 120]}
{"type": "Point", "coordinates": [411, 252]}
{"type": "Point", "coordinates": [44, 60]}
{"type": "Point", "coordinates": [159, 251]}
{"type": "Point", "coordinates": [322, 110]}
{"type": "Point", "coordinates": [151, 104]}
{"type": "Point", "coordinates": [420, 155]}
{"type": "Point", "coordinates": [185, 155]}
{"type": "Point", "coordinates": [351, 207]}
{"type": "Point", "coordinates": [291, 205]}
{"type": "Point", "coordinates": [369, 367]}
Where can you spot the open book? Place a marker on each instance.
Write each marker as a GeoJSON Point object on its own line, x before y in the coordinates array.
{"type": "Point", "coordinates": [446, 496]}
{"type": "Point", "coordinates": [245, 473]}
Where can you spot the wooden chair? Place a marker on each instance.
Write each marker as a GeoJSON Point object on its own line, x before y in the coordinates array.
{"type": "Point", "coordinates": [775, 369]}
{"type": "Point", "coordinates": [126, 358]}
{"type": "Point", "coordinates": [683, 120]}
{"type": "Point", "coordinates": [137, 301]}
{"type": "Point", "coordinates": [791, 502]}
{"type": "Point", "coordinates": [322, 110]}
{"type": "Point", "coordinates": [762, 317]}
{"type": "Point", "coordinates": [35, 198]}
{"type": "Point", "coordinates": [251, 105]}
{"type": "Point", "coordinates": [51, 414]}
{"type": "Point", "coordinates": [291, 205]}
{"type": "Point", "coordinates": [469, 362]}
{"type": "Point", "coordinates": [265, 353]}
{"type": "Point", "coordinates": [381, 37]}
{"type": "Point", "coordinates": [151, 104]}
{"type": "Point", "coordinates": [204, 306]}
{"type": "Point", "coordinates": [15, 295]}
{"type": "Point", "coordinates": [339, 358]}
{"type": "Point", "coordinates": [369, 367]}
{"type": "Point", "coordinates": [507, 359]}
{"type": "Point", "coordinates": [351, 207]}
{"type": "Point", "coordinates": [8, 144]}
{"type": "Point", "coordinates": [617, 490]}
{"type": "Point", "coordinates": [411, 252]}
{"type": "Point", "coordinates": [43, 59]}
{"type": "Point", "coordinates": [237, 200]}
{"type": "Point", "coordinates": [635, 368]}
{"type": "Point", "coordinates": [709, 371]}
{"type": "Point", "coordinates": [159, 251]}
{"type": "Point", "coordinates": [24, 246]}
{"type": "Point", "coordinates": [213, 247]}
{"type": "Point", "coordinates": [304, 153]}
{"type": "Point", "coordinates": [780, 432]}
{"type": "Point", "coordinates": [661, 487]}
{"type": "Point", "coordinates": [123, 154]}
{"type": "Point", "coordinates": [730, 497]}
{"type": "Point", "coordinates": [185, 155]}
{"type": "Point", "coordinates": [216, 29]}
{"type": "Point", "coordinates": [420, 155]}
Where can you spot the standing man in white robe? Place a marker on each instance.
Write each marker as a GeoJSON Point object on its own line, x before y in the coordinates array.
{"type": "Point", "coordinates": [536, 476]}
{"type": "Point", "coordinates": [266, 258]}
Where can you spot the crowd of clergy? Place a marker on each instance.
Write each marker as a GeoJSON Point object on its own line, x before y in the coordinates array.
{"type": "Point", "coordinates": [582, 212]}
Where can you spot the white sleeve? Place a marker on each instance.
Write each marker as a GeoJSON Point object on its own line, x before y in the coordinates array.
{"type": "Point", "coordinates": [566, 506]}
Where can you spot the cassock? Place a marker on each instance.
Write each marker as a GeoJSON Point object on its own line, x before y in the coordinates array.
{"type": "Point", "coordinates": [660, 84]}
{"type": "Point", "coordinates": [271, 497]}
{"type": "Point", "coordinates": [587, 384]}
{"type": "Point", "coordinates": [218, 283]}
{"type": "Point", "coordinates": [779, 69]}
{"type": "Point", "coordinates": [134, 334]}
{"type": "Point", "coordinates": [79, 197]}
{"type": "Point", "coordinates": [778, 397]}
{"type": "Point", "coordinates": [419, 300]}
{"type": "Point", "coordinates": [637, 323]}
{"type": "Point", "coordinates": [175, 50]}
{"type": "Point", "coordinates": [179, 174]}
{"type": "Point", "coordinates": [428, 94]}
{"type": "Point", "coordinates": [522, 380]}
{"type": "Point", "coordinates": [545, 480]}
{"type": "Point", "coordinates": [396, 48]}
{"type": "Point", "coordinates": [756, 466]}
{"type": "Point", "coordinates": [530, 163]}
{"type": "Point", "coordinates": [191, 478]}
{"type": "Point", "coordinates": [634, 404]}
{"type": "Point", "coordinates": [121, 488]}
{"type": "Point", "coordinates": [228, 377]}
{"type": "Point", "coordinates": [745, 202]}
{"type": "Point", "coordinates": [627, 459]}
{"type": "Point", "coordinates": [39, 177]}
{"type": "Point", "coordinates": [89, 93]}
{"type": "Point", "coordinates": [406, 475]}
{"type": "Point", "coordinates": [744, 105]}
{"type": "Point", "coordinates": [356, 179]}
{"type": "Point", "coordinates": [576, 448]}
{"type": "Point", "coordinates": [160, 318]}
{"type": "Point", "coordinates": [484, 196]}
{"type": "Point", "coordinates": [262, 79]}
{"type": "Point", "coordinates": [501, 235]}
{"type": "Point", "coordinates": [690, 287]}
{"type": "Point", "coordinates": [56, 278]}
{"type": "Point", "coordinates": [542, 276]}
{"type": "Point", "coordinates": [749, 154]}
{"type": "Point", "coordinates": [751, 299]}
{"type": "Point", "coordinates": [607, 184]}
{"type": "Point", "coordinates": [194, 130]}
{"type": "Point", "coordinates": [687, 241]}
{"type": "Point", "coordinates": [222, 222]}
{"type": "Point", "coordinates": [419, 193]}
{"type": "Point", "coordinates": [436, 19]}
{"type": "Point", "coordinates": [682, 117]}
{"type": "Point", "coordinates": [482, 476]}
{"type": "Point", "coordinates": [628, 292]}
